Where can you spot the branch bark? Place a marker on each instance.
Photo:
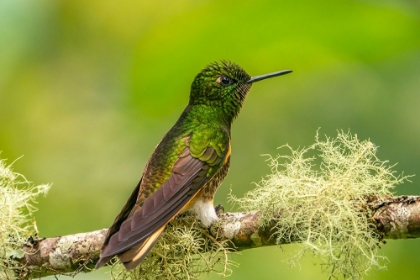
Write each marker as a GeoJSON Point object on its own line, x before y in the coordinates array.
{"type": "Point", "coordinates": [397, 218]}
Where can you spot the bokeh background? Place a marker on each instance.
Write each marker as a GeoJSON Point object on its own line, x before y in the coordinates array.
{"type": "Point", "coordinates": [88, 88]}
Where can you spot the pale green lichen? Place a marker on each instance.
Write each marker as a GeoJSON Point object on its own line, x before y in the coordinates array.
{"type": "Point", "coordinates": [17, 198]}
{"type": "Point", "coordinates": [320, 195]}
{"type": "Point", "coordinates": [184, 251]}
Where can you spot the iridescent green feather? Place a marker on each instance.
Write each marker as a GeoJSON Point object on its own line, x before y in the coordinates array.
{"type": "Point", "coordinates": [206, 121]}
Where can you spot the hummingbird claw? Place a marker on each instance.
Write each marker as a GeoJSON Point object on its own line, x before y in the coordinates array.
{"type": "Point", "coordinates": [219, 209]}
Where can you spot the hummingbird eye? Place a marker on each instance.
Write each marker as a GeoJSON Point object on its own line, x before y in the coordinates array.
{"type": "Point", "coordinates": [225, 81]}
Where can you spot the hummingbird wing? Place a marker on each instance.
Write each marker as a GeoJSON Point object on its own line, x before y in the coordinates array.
{"type": "Point", "coordinates": [133, 235]}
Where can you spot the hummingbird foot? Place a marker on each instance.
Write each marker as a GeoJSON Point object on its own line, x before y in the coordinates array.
{"type": "Point", "coordinates": [205, 211]}
{"type": "Point", "coordinates": [219, 209]}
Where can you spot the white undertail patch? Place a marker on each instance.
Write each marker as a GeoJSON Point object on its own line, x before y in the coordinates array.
{"type": "Point", "coordinates": [205, 211]}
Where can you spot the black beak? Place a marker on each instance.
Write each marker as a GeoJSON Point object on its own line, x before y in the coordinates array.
{"type": "Point", "coordinates": [266, 76]}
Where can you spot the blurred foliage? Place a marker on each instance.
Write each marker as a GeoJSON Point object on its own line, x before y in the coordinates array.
{"type": "Point", "coordinates": [87, 89]}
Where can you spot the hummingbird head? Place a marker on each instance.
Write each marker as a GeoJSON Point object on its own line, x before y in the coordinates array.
{"type": "Point", "coordinates": [224, 85]}
{"type": "Point", "coordinates": [218, 83]}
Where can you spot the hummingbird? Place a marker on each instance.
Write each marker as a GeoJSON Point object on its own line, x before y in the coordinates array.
{"type": "Point", "coordinates": [186, 167]}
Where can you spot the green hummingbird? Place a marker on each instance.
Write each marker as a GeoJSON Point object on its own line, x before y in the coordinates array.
{"type": "Point", "coordinates": [186, 167]}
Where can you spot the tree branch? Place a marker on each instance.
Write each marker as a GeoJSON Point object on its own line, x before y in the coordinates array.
{"type": "Point", "coordinates": [397, 218]}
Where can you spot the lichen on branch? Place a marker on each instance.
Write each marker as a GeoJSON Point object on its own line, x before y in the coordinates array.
{"type": "Point", "coordinates": [321, 194]}
{"type": "Point", "coordinates": [186, 250]}
{"type": "Point", "coordinates": [334, 198]}
{"type": "Point", "coordinates": [17, 199]}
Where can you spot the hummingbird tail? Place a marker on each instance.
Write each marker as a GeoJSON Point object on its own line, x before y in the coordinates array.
{"type": "Point", "coordinates": [132, 257]}
{"type": "Point", "coordinates": [102, 262]}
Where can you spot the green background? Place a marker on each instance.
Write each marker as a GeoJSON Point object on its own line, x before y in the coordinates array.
{"type": "Point", "coordinates": [88, 88]}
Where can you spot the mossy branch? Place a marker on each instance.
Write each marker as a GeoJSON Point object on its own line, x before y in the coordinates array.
{"type": "Point", "coordinates": [335, 198]}
{"type": "Point", "coordinates": [396, 218]}
{"type": "Point", "coordinates": [68, 254]}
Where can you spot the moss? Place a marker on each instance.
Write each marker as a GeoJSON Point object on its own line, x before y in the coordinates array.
{"type": "Point", "coordinates": [320, 193]}
{"type": "Point", "coordinates": [184, 251]}
{"type": "Point", "coordinates": [17, 198]}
